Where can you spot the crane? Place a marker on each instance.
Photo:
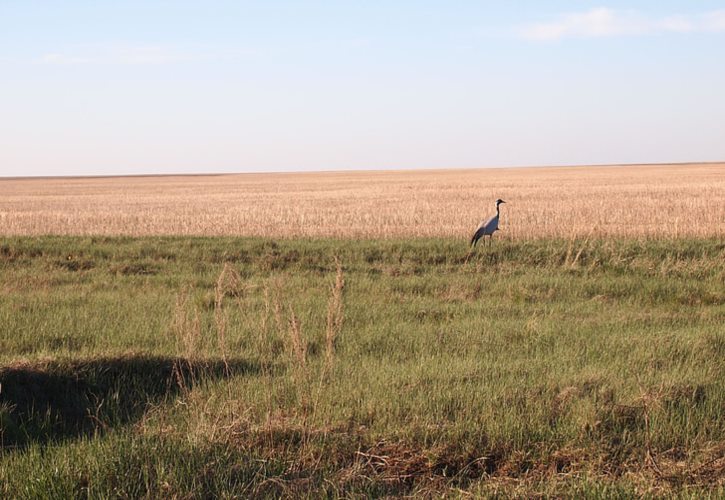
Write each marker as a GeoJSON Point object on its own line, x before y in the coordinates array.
{"type": "Point", "coordinates": [487, 227]}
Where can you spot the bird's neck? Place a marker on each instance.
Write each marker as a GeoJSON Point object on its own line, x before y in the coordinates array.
{"type": "Point", "coordinates": [496, 209]}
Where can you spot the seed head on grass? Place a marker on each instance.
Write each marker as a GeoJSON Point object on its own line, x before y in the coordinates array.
{"type": "Point", "coordinates": [335, 316]}
{"type": "Point", "coordinates": [228, 282]}
{"type": "Point", "coordinates": [186, 327]}
{"type": "Point", "coordinates": [186, 324]}
{"type": "Point", "coordinates": [297, 344]}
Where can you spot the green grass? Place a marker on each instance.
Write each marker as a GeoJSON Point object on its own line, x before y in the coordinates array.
{"type": "Point", "coordinates": [575, 368]}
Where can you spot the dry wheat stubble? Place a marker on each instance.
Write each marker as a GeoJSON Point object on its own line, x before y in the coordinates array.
{"type": "Point", "coordinates": [638, 201]}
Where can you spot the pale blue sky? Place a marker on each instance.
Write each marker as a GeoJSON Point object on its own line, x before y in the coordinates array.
{"type": "Point", "coordinates": [152, 86]}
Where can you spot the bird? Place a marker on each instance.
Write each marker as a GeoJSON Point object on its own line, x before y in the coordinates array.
{"type": "Point", "coordinates": [487, 227]}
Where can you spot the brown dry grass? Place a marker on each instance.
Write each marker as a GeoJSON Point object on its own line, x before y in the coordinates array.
{"type": "Point", "coordinates": [643, 201]}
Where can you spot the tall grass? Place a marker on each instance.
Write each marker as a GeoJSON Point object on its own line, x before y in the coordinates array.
{"type": "Point", "coordinates": [311, 367]}
{"type": "Point", "coordinates": [335, 317]}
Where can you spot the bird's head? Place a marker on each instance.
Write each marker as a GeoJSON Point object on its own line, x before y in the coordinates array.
{"type": "Point", "coordinates": [499, 201]}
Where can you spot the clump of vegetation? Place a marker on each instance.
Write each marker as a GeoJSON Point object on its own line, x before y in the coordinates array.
{"type": "Point", "coordinates": [399, 367]}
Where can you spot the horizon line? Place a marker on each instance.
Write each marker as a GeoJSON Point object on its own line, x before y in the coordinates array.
{"type": "Point", "coordinates": [357, 170]}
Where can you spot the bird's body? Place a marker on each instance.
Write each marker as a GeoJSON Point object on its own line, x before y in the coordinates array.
{"type": "Point", "coordinates": [487, 227]}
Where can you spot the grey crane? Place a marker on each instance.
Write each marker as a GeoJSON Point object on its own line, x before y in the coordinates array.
{"type": "Point", "coordinates": [487, 227]}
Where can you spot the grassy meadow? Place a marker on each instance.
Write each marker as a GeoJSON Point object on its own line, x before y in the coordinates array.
{"type": "Point", "coordinates": [192, 367]}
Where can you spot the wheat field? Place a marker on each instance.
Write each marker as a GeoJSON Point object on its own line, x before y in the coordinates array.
{"type": "Point", "coordinates": [649, 201]}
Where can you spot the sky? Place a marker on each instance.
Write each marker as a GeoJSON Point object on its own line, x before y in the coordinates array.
{"type": "Point", "coordinates": [160, 86]}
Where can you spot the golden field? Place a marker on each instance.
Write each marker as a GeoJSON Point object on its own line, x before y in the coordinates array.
{"type": "Point", "coordinates": [683, 200]}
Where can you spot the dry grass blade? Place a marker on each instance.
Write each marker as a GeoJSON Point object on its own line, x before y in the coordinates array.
{"type": "Point", "coordinates": [186, 324]}
{"type": "Point", "coordinates": [186, 327]}
{"type": "Point", "coordinates": [297, 343]}
{"type": "Point", "coordinates": [228, 282]}
{"type": "Point", "coordinates": [263, 339]}
{"type": "Point", "coordinates": [335, 316]}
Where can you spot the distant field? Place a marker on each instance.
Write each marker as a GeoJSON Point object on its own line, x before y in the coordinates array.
{"type": "Point", "coordinates": [639, 201]}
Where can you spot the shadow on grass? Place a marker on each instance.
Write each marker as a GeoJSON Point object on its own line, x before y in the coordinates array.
{"type": "Point", "coordinates": [53, 400]}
